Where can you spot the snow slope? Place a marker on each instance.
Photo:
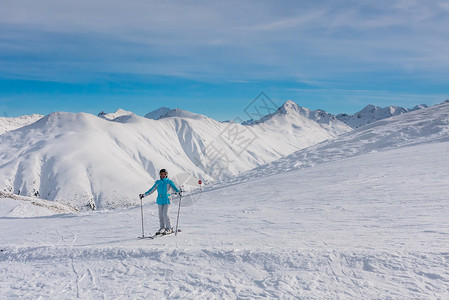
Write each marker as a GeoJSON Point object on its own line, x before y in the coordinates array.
{"type": "Point", "coordinates": [19, 206]}
{"type": "Point", "coordinates": [89, 162]}
{"type": "Point", "coordinates": [372, 226]}
{"type": "Point", "coordinates": [8, 124]}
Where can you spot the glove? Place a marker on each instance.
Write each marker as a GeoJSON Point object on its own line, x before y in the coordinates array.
{"type": "Point", "coordinates": [141, 196]}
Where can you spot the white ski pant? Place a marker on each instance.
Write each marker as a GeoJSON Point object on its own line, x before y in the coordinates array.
{"type": "Point", "coordinates": [164, 219]}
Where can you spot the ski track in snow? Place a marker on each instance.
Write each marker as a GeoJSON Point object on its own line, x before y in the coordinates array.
{"type": "Point", "coordinates": [373, 226]}
{"type": "Point", "coordinates": [243, 274]}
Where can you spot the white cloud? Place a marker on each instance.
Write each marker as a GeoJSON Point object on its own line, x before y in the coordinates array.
{"type": "Point", "coordinates": [230, 40]}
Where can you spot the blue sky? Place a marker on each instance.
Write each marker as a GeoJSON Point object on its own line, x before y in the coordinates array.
{"type": "Point", "coordinates": [215, 57]}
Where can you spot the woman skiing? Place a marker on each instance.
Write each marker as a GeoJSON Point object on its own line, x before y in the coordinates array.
{"type": "Point", "coordinates": [163, 186]}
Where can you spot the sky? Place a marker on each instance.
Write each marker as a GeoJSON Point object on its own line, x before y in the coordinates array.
{"type": "Point", "coordinates": [216, 57]}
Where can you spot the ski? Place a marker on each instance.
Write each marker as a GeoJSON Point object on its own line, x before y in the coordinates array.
{"type": "Point", "coordinates": [160, 235]}
{"type": "Point", "coordinates": [152, 237]}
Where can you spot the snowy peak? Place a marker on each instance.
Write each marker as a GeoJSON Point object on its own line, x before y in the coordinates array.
{"type": "Point", "coordinates": [288, 110]}
{"type": "Point", "coordinates": [158, 113]}
{"type": "Point", "coordinates": [367, 115]}
{"type": "Point", "coordinates": [382, 113]}
{"type": "Point", "coordinates": [118, 113]}
{"type": "Point", "coordinates": [164, 112]}
{"type": "Point", "coordinates": [61, 119]}
{"type": "Point", "coordinates": [294, 112]}
{"type": "Point", "coordinates": [290, 107]}
{"type": "Point", "coordinates": [372, 113]}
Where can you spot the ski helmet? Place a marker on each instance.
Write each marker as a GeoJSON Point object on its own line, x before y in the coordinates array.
{"type": "Point", "coordinates": [163, 171]}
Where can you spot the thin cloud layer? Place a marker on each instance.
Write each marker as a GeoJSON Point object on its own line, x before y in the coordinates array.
{"type": "Point", "coordinates": [210, 40]}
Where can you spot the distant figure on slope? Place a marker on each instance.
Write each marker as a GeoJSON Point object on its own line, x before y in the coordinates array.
{"type": "Point", "coordinates": [163, 186]}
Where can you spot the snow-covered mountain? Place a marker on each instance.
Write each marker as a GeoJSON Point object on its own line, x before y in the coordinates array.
{"type": "Point", "coordinates": [86, 161]}
{"type": "Point", "coordinates": [8, 124]}
{"type": "Point", "coordinates": [299, 116]}
{"type": "Point", "coordinates": [117, 114]}
{"type": "Point", "coordinates": [426, 125]}
{"type": "Point", "coordinates": [82, 160]}
{"type": "Point", "coordinates": [367, 115]}
{"type": "Point", "coordinates": [372, 113]}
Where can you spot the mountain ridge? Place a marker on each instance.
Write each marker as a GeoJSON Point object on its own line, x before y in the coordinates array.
{"type": "Point", "coordinates": [372, 113]}
{"type": "Point", "coordinates": [91, 162]}
{"type": "Point", "coordinates": [87, 161]}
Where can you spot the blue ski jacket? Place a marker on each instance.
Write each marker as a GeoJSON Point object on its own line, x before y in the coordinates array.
{"type": "Point", "coordinates": [163, 186]}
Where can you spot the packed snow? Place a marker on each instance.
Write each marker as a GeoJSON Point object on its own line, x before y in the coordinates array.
{"type": "Point", "coordinates": [322, 232]}
{"type": "Point", "coordinates": [19, 206]}
{"type": "Point", "coordinates": [364, 216]}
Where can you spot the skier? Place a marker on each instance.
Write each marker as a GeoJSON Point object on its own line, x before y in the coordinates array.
{"type": "Point", "coordinates": [163, 186]}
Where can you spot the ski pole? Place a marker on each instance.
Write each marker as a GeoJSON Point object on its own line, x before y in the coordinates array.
{"type": "Point", "coordinates": [141, 212]}
{"type": "Point", "coordinates": [179, 208]}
